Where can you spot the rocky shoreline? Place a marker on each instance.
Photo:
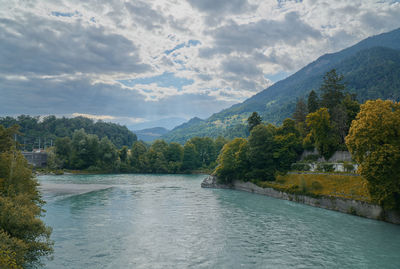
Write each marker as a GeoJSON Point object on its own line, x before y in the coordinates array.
{"type": "Point", "coordinates": [348, 206]}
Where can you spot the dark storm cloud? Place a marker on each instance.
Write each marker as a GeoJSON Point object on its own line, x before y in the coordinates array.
{"type": "Point", "coordinates": [33, 45]}
{"type": "Point", "coordinates": [263, 33]}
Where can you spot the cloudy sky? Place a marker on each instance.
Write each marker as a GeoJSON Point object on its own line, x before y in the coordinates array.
{"type": "Point", "coordinates": [158, 62]}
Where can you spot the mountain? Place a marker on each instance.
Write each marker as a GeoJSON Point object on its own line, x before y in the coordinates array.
{"type": "Point", "coordinates": [371, 69]}
{"type": "Point", "coordinates": [167, 123]}
{"type": "Point", "coordinates": [150, 134]}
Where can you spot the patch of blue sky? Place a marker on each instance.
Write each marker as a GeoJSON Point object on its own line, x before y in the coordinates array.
{"type": "Point", "coordinates": [64, 14]}
{"type": "Point", "coordinates": [92, 19]}
{"type": "Point", "coordinates": [184, 44]}
{"type": "Point", "coordinates": [167, 79]}
{"type": "Point", "coordinates": [278, 76]}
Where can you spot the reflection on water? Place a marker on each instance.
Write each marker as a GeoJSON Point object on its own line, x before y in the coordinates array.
{"type": "Point", "coordinates": [168, 221]}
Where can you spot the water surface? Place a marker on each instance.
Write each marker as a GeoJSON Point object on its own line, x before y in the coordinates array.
{"type": "Point", "coordinates": [169, 221]}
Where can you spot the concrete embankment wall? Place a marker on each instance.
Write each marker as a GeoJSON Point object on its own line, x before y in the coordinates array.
{"type": "Point", "coordinates": [359, 208]}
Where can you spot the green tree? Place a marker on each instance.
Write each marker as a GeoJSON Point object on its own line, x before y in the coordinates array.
{"type": "Point", "coordinates": [108, 155]}
{"type": "Point", "coordinates": [374, 142]}
{"type": "Point", "coordinates": [312, 102]}
{"type": "Point", "coordinates": [156, 157]}
{"type": "Point", "coordinates": [138, 157]}
{"type": "Point", "coordinates": [63, 151]}
{"type": "Point", "coordinates": [261, 153]}
{"type": "Point", "coordinates": [174, 156]}
{"type": "Point", "coordinates": [300, 112]}
{"type": "Point", "coordinates": [254, 120]}
{"type": "Point", "coordinates": [321, 132]}
{"type": "Point", "coordinates": [230, 161]}
{"type": "Point", "coordinates": [190, 157]}
{"type": "Point", "coordinates": [205, 150]}
{"type": "Point", "coordinates": [24, 238]}
{"type": "Point", "coordinates": [332, 90]}
{"type": "Point", "coordinates": [288, 145]}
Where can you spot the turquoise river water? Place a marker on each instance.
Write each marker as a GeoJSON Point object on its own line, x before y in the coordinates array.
{"type": "Point", "coordinates": [169, 221]}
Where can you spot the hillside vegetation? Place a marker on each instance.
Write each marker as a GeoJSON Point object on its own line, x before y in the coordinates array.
{"type": "Point", "coordinates": [371, 70]}
{"type": "Point", "coordinates": [49, 128]}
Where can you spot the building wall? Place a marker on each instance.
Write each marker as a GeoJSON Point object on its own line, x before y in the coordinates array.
{"type": "Point", "coordinates": [37, 159]}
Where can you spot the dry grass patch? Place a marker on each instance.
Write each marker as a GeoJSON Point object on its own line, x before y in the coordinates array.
{"type": "Point", "coordinates": [343, 186]}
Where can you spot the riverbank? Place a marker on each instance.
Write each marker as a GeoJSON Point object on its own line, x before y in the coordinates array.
{"type": "Point", "coordinates": [348, 206]}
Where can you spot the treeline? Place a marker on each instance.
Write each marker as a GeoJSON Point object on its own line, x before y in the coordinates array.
{"type": "Point", "coordinates": [329, 121]}
{"type": "Point", "coordinates": [322, 123]}
{"type": "Point", "coordinates": [35, 131]}
{"type": "Point", "coordinates": [24, 238]}
{"type": "Point", "coordinates": [87, 152]}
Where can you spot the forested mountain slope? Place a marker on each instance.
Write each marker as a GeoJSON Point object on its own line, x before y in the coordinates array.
{"type": "Point", "coordinates": [371, 69]}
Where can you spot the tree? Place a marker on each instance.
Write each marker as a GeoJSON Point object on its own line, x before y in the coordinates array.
{"type": "Point", "coordinates": [205, 150]}
{"type": "Point", "coordinates": [261, 151]}
{"type": "Point", "coordinates": [174, 156]}
{"type": "Point", "coordinates": [321, 132]}
{"type": "Point", "coordinates": [63, 151]}
{"type": "Point", "coordinates": [138, 158]}
{"type": "Point", "coordinates": [232, 162]}
{"type": "Point", "coordinates": [190, 157]}
{"type": "Point", "coordinates": [300, 112]}
{"type": "Point", "coordinates": [312, 102]}
{"type": "Point", "coordinates": [332, 90]}
{"type": "Point", "coordinates": [374, 142]}
{"type": "Point", "coordinates": [254, 120]}
{"type": "Point", "coordinates": [24, 238]}
{"type": "Point", "coordinates": [288, 145]}
{"type": "Point", "coordinates": [108, 155]}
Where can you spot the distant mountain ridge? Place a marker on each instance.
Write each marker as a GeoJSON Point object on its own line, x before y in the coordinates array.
{"type": "Point", "coordinates": [150, 134]}
{"type": "Point", "coordinates": [371, 69]}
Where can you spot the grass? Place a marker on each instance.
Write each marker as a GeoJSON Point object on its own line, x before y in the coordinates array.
{"type": "Point", "coordinates": [316, 185]}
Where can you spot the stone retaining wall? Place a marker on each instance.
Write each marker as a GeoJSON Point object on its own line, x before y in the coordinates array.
{"type": "Point", "coordinates": [359, 208]}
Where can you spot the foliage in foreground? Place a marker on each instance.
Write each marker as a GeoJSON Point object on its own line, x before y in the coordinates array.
{"type": "Point", "coordinates": [24, 238]}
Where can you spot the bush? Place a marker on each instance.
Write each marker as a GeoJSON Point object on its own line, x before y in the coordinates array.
{"type": "Point", "coordinates": [300, 167]}
{"type": "Point", "coordinates": [303, 185]}
{"type": "Point", "coordinates": [325, 167]}
{"type": "Point", "coordinates": [311, 158]}
{"type": "Point", "coordinates": [316, 186]}
{"type": "Point", "coordinates": [348, 167]}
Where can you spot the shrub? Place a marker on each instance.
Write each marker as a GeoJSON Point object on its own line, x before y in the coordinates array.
{"type": "Point", "coordinates": [348, 167]}
{"type": "Point", "coordinates": [300, 167]}
{"type": "Point", "coordinates": [327, 167]}
{"type": "Point", "coordinates": [303, 185]}
{"type": "Point", "coordinates": [311, 158]}
{"type": "Point", "coordinates": [316, 186]}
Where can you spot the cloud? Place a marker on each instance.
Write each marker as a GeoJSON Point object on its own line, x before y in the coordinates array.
{"type": "Point", "coordinates": [143, 14]}
{"type": "Point", "coordinates": [165, 58]}
{"type": "Point", "coordinates": [257, 35]}
{"type": "Point", "coordinates": [54, 47]}
{"type": "Point", "coordinates": [222, 6]}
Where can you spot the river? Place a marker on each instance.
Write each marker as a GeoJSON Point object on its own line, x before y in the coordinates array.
{"type": "Point", "coordinates": [169, 221]}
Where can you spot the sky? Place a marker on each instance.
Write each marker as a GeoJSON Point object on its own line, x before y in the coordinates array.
{"type": "Point", "coordinates": [161, 62]}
